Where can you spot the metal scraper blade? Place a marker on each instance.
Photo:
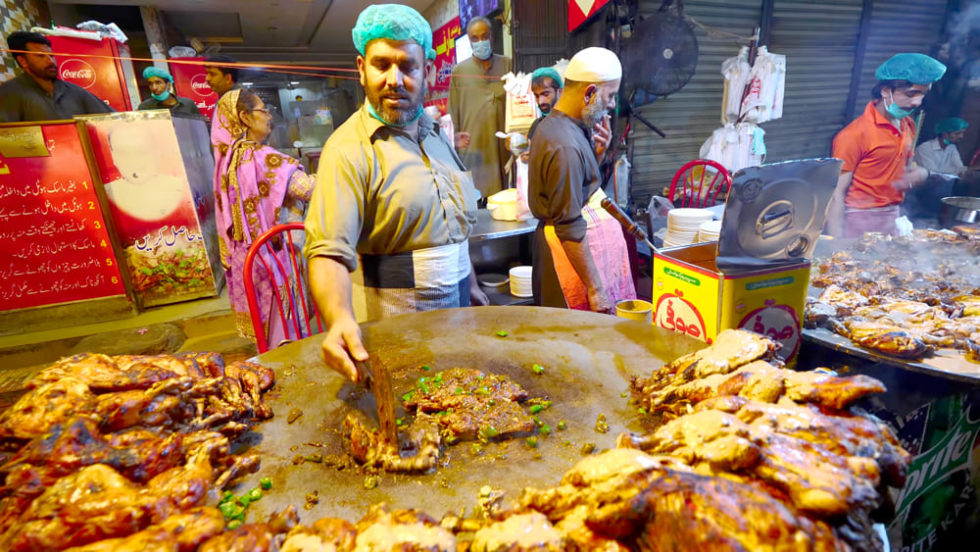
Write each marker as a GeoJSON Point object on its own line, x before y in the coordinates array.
{"type": "Point", "coordinates": [378, 381]}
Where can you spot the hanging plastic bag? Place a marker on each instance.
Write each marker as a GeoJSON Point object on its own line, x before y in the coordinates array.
{"type": "Point", "coordinates": [736, 71]}
{"type": "Point", "coordinates": [520, 108]}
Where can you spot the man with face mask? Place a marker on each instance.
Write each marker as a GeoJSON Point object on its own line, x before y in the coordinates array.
{"type": "Point", "coordinates": [38, 94]}
{"type": "Point", "coordinates": [388, 222]}
{"type": "Point", "coordinates": [876, 149]}
{"type": "Point", "coordinates": [546, 85]}
{"type": "Point", "coordinates": [476, 105]}
{"type": "Point", "coordinates": [580, 256]}
{"type": "Point", "coordinates": [162, 96]}
{"type": "Point", "coordinates": [940, 155]}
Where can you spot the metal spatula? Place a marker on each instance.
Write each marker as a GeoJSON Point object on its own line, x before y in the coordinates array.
{"type": "Point", "coordinates": [378, 381]}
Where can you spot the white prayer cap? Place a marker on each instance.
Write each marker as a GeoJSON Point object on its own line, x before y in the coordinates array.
{"type": "Point", "coordinates": [594, 65]}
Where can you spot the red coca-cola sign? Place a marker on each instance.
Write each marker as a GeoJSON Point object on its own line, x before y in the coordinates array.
{"type": "Point", "coordinates": [190, 81]}
{"type": "Point", "coordinates": [77, 71]}
{"type": "Point", "coordinates": [200, 86]}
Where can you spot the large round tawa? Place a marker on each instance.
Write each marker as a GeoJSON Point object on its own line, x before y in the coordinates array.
{"type": "Point", "coordinates": [588, 359]}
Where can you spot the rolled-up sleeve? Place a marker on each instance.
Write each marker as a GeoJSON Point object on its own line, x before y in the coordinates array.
{"type": "Point", "coordinates": [560, 201]}
{"type": "Point", "coordinates": [336, 213]}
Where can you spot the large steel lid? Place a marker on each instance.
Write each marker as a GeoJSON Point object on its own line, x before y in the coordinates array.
{"type": "Point", "coordinates": [775, 212]}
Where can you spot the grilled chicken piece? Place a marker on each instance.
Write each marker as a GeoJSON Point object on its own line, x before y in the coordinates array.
{"type": "Point", "coordinates": [525, 532]}
{"type": "Point", "coordinates": [38, 410]}
{"type": "Point", "coordinates": [182, 532]}
{"type": "Point", "coordinates": [731, 349]}
{"type": "Point", "coordinates": [816, 479]}
{"type": "Point", "coordinates": [890, 340]}
{"type": "Point", "coordinates": [92, 504]}
{"type": "Point", "coordinates": [410, 530]}
{"type": "Point", "coordinates": [764, 382]}
{"type": "Point", "coordinates": [326, 535]}
{"type": "Point", "coordinates": [139, 455]}
{"type": "Point", "coordinates": [718, 514]}
{"type": "Point", "coordinates": [656, 503]}
{"type": "Point", "coordinates": [368, 447]}
{"type": "Point", "coordinates": [254, 537]}
{"type": "Point", "coordinates": [105, 373]}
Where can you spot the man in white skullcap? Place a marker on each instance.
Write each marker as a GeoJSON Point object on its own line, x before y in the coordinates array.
{"type": "Point", "coordinates": [580, 257]}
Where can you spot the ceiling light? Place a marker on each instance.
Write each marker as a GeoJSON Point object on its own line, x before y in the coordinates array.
{"type": "Point", "coordinates": [247, 83]}
{"type": "Point", "coordinates": [294, 83]}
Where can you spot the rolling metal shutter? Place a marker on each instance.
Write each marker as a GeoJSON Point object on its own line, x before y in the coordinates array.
{"type": "Point", "coordinates": [819, 41]}
{"type": "Point", "coordinates": [540, 29]}
{"type": "Point", "coordinates": [689, 116]}
{"type": "Point", "coordinates": [897, 26]}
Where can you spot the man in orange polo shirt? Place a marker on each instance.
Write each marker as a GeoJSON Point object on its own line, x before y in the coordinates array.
{"type": "Point", "coordinates": [876, 149]}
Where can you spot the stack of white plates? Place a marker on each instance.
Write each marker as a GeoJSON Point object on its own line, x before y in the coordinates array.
{"type": "Point", "coordinates": [520, 281]}
{"type": "Point", "coordinates": [709, 231]}
{"type": "Point", "coordinates": [684, 224]}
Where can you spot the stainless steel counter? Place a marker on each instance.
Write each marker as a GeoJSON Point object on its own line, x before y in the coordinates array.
{"type": "Point", "coordinates": [488, 228]}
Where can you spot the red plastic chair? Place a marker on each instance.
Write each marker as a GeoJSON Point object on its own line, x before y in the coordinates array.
{"type": "Point", "coordinates": [698, 188]}
{"type": "Point", "coordinates": [293, 303]}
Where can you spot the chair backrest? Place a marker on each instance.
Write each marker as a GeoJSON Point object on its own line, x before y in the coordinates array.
{"type": "Point", "coordinates": [700, 183]}
{"type": "Point", "coordinates": [277, 257]}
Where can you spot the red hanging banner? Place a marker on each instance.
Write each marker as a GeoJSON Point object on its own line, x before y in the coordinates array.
{"type": "Point", "coordinates": [580, 10]}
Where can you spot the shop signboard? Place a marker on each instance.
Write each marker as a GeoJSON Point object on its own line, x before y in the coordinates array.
{"type": "Point", "coordinates": [190, 81]}
{"type": "Point", "coordinates": [444, 43]}
{"type": "Point", "coordinates": [579, 11]}
{"type": "Point", "coordinates": [54, 242]}
{"type": "Point", "coordinates": [101, 67]}
{"type": "Point", "coordinates": [156, 206]}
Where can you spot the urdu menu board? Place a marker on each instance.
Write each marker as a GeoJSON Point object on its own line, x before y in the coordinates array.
{"type": "Point", "coordinates": [54, 245]}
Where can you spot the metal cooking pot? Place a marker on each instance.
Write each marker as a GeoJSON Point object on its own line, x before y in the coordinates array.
{"type": "Point", "coordinates": [959, 210]}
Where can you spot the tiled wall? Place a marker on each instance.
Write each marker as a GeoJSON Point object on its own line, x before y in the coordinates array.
{"type": "Point", "coordinates": [19, 15]}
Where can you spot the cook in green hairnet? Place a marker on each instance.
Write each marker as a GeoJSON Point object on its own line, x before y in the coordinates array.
{"type": "Point", "coordinates": [161, 96]}
{"type": "Point", "coordinates": [940, 155]}
{"type": "Point", "coordinates": [388, 223]}
{"type": "Point", "coordinates": [877, 149]}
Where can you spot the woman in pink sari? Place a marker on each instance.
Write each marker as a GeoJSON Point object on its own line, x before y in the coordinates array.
{"type": "Point", "coordinates": [258, 188]}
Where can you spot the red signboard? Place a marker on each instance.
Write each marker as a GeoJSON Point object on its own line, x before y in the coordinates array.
{"type": "Point", "coordinates": [444, 43]}
{"type": "Point", "coordinates": [54, 247]}
{"type": "Point", "coordinates": [580, 10]}
{"type": "Point", "coordinates": [190, 81]}
{"type": "Point", "coordinates": [101, 75]}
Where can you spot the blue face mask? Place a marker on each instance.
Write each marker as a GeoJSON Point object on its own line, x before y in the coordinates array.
{"type": "Point", "coordinates": [897, 112]}
{"type": "Point", "coordinates": [481, 50]}
{"type": "Point", "coordinates": [160, 97]}
{"type": "Point", "coordinates": [375, 114]}
{"type": "Point", "coordinates": [946, 142]}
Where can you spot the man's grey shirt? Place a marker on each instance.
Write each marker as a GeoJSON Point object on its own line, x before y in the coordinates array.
{"type": "Point", "coordinates": [22, 99]}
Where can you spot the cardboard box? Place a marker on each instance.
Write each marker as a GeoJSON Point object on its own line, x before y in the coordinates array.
{"type": "Point", "coordinates": [692, 296]}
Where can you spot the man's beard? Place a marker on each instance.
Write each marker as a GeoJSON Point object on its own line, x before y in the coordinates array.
{"type": "Point", "coordinates": [398, 116]}
{"type": "Point", "coordinates": [593, 113]}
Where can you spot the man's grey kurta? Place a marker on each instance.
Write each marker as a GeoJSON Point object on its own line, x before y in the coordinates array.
{"type": "Point", "coordinates": [562, 175]}
{"type": "Point", "coordinates": [476, 105]}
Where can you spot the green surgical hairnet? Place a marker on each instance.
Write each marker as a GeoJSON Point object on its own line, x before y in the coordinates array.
{"type": "Point", "coordinates": [915, 68]}
{"type": "Point", "coordinates": [154, 71]}
{"type": "Point", "coordinates": [952, 124]}
{"type": "Point", "coordinates": [394, 22]}
{"type": "Point", "coordinates": [549, 72]}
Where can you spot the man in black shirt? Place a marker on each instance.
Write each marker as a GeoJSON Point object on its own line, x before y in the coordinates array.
{"type": "Point", "coordinates": [37, 94]}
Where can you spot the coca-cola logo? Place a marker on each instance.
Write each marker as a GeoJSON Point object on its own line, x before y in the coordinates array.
{"type": "Point", "coordinates": [78, 72]}
{"type": "Point", "coordinates": [199, 85]}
